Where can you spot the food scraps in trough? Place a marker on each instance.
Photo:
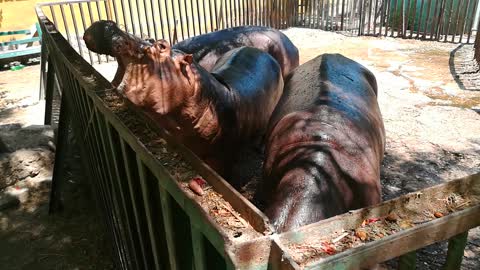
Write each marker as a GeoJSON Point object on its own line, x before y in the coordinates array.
{"type": "Point", "coordinates": [373, 229]}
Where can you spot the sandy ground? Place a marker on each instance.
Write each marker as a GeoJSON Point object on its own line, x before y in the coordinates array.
{"type": "Point", "coordinates": [29, 237]}
{"type": "Point", "coordinates": [428, 101]}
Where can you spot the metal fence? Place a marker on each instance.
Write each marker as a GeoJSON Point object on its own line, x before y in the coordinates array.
{"type": "Point", "coordinates": [154, 220]}
{"type": "Point", "coordinates": [440, 20]}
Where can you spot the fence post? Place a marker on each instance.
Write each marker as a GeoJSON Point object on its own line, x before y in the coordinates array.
{"type": "Point", "coordinates": [59, 166]}
{"type": "Point", "coordinates": [456, 246]}
{"type": "Point", "coordinates": [49, 92]}
{"type": "Point", "coordinates": [407, 261]}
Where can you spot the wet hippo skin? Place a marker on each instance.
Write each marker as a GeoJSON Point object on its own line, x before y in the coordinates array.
{"type": "Point", "coordinates": [325, 144]}
{"type": "Point", "coordinates": [104, 35]}
{"type": "Point", "coordinates": [211, 113]}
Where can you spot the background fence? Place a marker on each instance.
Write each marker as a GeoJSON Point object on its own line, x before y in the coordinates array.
{"type": "Point", "coordinates": [176, 20]}
{"type": "Point", "coordinates": [441, 20]}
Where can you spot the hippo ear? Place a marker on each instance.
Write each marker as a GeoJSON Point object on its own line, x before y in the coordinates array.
{"type": "Point", "coordinates": [163, 46]}
{"type": "Point", "coordinates": [188, 58]}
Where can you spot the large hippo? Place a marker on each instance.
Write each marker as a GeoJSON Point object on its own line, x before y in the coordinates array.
{"type": "Point", "coordinates": [210, 112]}
{"type": "Point", "coordinates": [206, 49]}
{"type": "Point", "coordinates": [324, 144]}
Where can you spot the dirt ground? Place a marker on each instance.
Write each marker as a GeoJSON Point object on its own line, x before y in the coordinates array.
{"type": "Point", "coordinates": [428, 99]}
{"type": "Point", "coordinates": [30, 238]}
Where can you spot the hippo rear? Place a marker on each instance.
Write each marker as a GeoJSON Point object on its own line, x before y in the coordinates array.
{"type": "Point", "coordinates": [325, 143]}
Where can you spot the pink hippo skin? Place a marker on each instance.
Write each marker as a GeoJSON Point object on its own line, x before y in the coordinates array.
{"type": "Point", "coordinates": [325, 144]}
{"type": "Point", "coordinates": [212, 113]}
{"type": "Point", "coordinates": [206, 49]}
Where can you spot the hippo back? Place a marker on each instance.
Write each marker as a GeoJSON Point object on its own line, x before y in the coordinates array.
{"type": "Point", "coordinates": [208, 48]}
{"type": "Point", "coordinates": [325, 143]}
{"type": "Point", "coordinates": [256, 83]}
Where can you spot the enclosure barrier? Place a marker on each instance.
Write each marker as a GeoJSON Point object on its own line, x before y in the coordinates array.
{"type": "Point", "coordinates": [156, 223]}
{"type": "Point", "coordinates": [176, 20]}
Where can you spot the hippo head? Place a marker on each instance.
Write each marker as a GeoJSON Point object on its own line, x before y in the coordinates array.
{"type": "Point", "coordinates": [157, 77]}
{"type": "Point", "coordinates": [104, 36]}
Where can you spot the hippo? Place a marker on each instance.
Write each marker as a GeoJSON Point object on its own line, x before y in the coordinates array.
{"type": "Point", "coordinates": [208, 48]}
{"type": "Point", "coordinates": [324, 145]}
{"type": "Point", "coordinates": [102, 36]}
{"type": "Point", "coordinates": [212, 113]}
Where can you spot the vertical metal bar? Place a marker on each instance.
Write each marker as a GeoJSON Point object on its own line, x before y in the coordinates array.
{"type": "Point", "coordinates": [406, 11]}
{"type": "Point", "coordinates": [185, 9]}
{"type": "Point", "coordinates": [420, 19]}
{"type": "Point", "coordinates": [148, 211]}
{"type": "Point", "coordinates": [369, 16]}
{"type": "Point", "coordinates": [133, 195]}
{"type": "Point", "coordinates": [115, 11]}
{"type": "Point", "coordinates": [130, 9]}
{"type": "Point", "coordinates": [456, 247]}
{"type": "Point", "coordinates": [343, 14]}
{"type": "Point", "coordinates": [82, 15]}
{"type": "Point", "coordinates": [90, 14]}
{"type": "Point", "coordinates": [375, 18]}
{"type": "Point", "coordinates": [449, 20]}
{"type": "Point", "coordinates": [180, 19]}
{"type": "Point", "coordinates": [470, 28]}
{"type": "Point", "coordinates": [117, 221]}
{"type": "Point", "coordinates": [465, 16]}
{"type": "Point", "coordinates": [210, 16]}
{"type": "Point", "coordinates": [139, 16]}
{"type": "Point", "coordinates": [49, 92]}
{"type": "Point", "coordinates": [237, 13]}
{"type": "Point", "coordinates": [99, 13]}
{"type": "Point", "coordinates": [327, 9]}
{"type": "Point", "coordinates": [414, 17]}
{"type": "Point", "coordinates": [153, 20]}
{"type": "Point", "coordinates": [165, 200]}
{"type": "Point", "coordinates": [193, 18]}
{"type": "Point", "coordinates": [439, 26]}
{"type": "Point", "coordinates": [147, 24]}
{"type": "Point", "coordinates": [425, 25]}
{"type": "Point", "coordinates": [199, 18]}
{"type": "Point", "coordinates": [231, 12]}
{"type": "Point", "coordinates": [198, 248]}
{"type": "Point", "coordinates": [434, 19]}
{"type": "Point", "coordinates": [204, 11]}
{"type": "Point", "coordinates": [382, 16]}
{"type": "Point", "coordinates": [167, 20]}
{"type": "Point", "coordinates": [125, 23]}
{"type": "Point", "coordinates": [59, 164]}
{"type": "Point", "coordinates": [119, 187]}
{"type": "Point", "coordinates": [387, 13]}
{"type": "Point", "coordinates": [77, 35]}
{"type": "Point", "coordinates": [216, 14]}
{"type": "Point", "coordinates": [456, 20]}
{"type": "Point", "coordinates": [52, 10]}
{"type": "Point", "coordinates": [407, 261]}
{"type": "Point", "coordinates": [247, 12]}
{"type": "Point", "coordinates": [62, 11]}
{"type": "Point", "coordinates": [393, 17]}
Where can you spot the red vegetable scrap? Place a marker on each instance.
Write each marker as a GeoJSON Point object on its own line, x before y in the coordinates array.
{"type": "Point", "coordinates": [327, 248]}
{"type": "Point", "coordinates": [369, 220]}
{"type": "Point", "coordinates": [197, 184]}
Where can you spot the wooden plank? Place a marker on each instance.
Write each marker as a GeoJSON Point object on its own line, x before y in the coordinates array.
{"type": "Point", "coordinates": [401, 242]}
{"type": "Point", "coordinates": [20, 41]}
{"type": "Point", "coordinates": [435, 17]}
{"type": "Point", "coordinates": [279, 259]}
{"type": "Point", "coordinates": [457, 16]}
{"type": "Point", "coordinates": [425, 25]}
{"type": "Point", "coordinates": [20, 52]}
{"type": "Point", "coordinates": [15, 32]}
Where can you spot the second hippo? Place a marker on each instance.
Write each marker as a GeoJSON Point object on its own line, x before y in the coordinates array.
{"type": "Point", "coordinates": [325, 144]}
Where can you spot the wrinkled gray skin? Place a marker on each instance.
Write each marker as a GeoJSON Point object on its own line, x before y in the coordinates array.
{"type": "Point", "coordinates": [325, 144]}
{"type": "Point", "coordinates": [102, 36]}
